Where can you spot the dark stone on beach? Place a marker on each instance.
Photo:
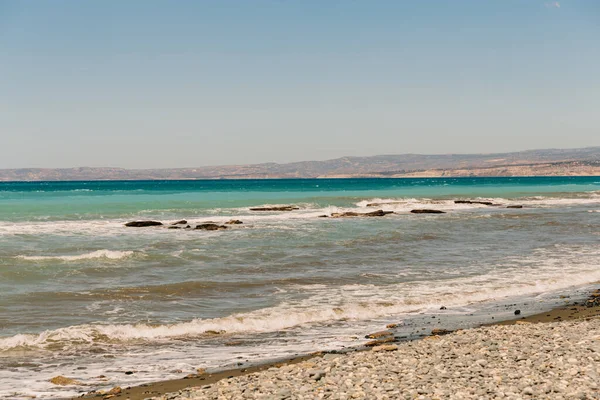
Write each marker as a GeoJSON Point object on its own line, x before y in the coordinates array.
{"type": "Point", "coordinates": [426, 211]}
{"type": "Point", "coordinates": [485, 203]}
{"type": "Point", "coordinates": [442, 307]}
{"type": "Point", "coordinates": [439, 331]}
{"type": "Point", "coordinates": [233, 222]}
{"type": "Point", "coordinates": [517, 312]}
{"type": "Point", "coordinates": [514, 206]}
{"type": "Point", "coordinates": [210, 227]}
{"type": "Point", "coordinates": [323, 216]}
{"type": "Point", "coordinates": [280, 208]}
{"type": "Point", "coordinates": [129, 373]}
{"type": "Point", "coordinates": [141, 224]}
{"type": "Point", "coordinates": [182, 222]}
{"type": "Point", "coordinates": [174, 227]}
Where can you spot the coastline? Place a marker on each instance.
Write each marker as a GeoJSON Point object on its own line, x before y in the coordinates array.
{"type": "Point", "coordinates": [571, 311]}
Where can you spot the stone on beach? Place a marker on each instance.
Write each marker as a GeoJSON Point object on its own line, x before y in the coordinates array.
{"type": "Point", "coordinates": [233, 222]}
{"type": "Point", "coordinates": [533, 361]}
{"type": "Point", "coordinates": [380, 334]}
{"type": "Point", "coordinates": [142, 224]}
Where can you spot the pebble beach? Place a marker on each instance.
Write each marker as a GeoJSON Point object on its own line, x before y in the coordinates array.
{"type": "Point", "coordinates": [557, 360]}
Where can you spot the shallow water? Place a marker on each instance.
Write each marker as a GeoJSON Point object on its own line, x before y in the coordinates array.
{"type": "Point", "coordinates": [82, 296]}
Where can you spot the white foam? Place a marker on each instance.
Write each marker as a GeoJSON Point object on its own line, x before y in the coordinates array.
{"type": "Point", "coordinates": [108, 254]}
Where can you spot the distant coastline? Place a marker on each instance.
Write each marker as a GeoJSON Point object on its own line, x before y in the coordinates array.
{"type": "Point", "coordinates": [549, 162]}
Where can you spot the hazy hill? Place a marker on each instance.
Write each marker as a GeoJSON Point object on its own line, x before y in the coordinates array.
{"type": "Point", "coordinates": [585, 161]}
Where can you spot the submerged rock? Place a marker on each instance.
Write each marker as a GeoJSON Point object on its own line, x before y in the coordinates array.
{"type": "Point", "coordinates": [485, 203]}
{"type": "Point", "coordinates": [384, 204]}
{"type": "Point", "coordinates": [427, 211]}
{"type": "Point", "coordinates": [233, 222]}
{"type": "Point", "coordinates": [182, 222]}
{"type": "Point", "coordinates": [64, 381]}
{"type": "Point", "coordinates": [141, 224]}
{"type": "Point", "coordinates": [516, 206]}
{"type": "Point", "coordinates": [378, 213]}
{"type": "Point", "coordinates": [279, 208]}
{"type": "Point", "coordinates": [210, 227]}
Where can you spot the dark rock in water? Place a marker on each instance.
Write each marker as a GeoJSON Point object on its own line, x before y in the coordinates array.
{"type": "Point", "coordinates": [323, 216]}
{"type": "Point", "coordinates": [485, 203]}
{"type": "Point", "coordinates": [64, 381]}
{"type": "Point", "coordinates": [211, 332]}
{"type": "Point", "coordinates": [129, 373]}
{"type": "Point", "coordinates": [182, 222]}
{"type": "Point", "coordinates": [517, 312]}
{"type": "Point", "coordinates": [345, 214]}
{"type": "Point", "coordinates": [141, 224]}
{"type": "Point", "coordinates": [378, 213]}
{"type": "Point", "coordinates": [426, 211]}
{"type": "Point", "coordinates": [514, 206]}
{"type": "Point", "coordinates": [280, 208]}
{"type": "Point", "coordinates": [233, 222]}
{"type": "Point", "coordinates": [174, 227]}
{"type": "Point", "coordinates": [210, 227]}
{"type": "Point", "coordinates": [443, 308]}
{"type": "Point", "coordinates": [384, 204]}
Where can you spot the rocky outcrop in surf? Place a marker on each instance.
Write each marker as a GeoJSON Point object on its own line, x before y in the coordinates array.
{"type": "Point", "coordinates": [210, 227]}
{"type": "Point", "coordinates": [278, 208]}
{"type": "Point", "coordinates": [141, 224]}
{"type": "Point", "coordinates": [378, 213]}
{"type": "Point", "coordinates": [427, 211]}
{"type": "Point", "coordinates": [485, 203]}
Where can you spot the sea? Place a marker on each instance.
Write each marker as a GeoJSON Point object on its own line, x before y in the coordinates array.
{"type": "Point", "coordinates": [85, 297]}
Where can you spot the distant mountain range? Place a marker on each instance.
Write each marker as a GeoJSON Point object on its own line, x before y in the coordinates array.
{"type": "Point", "coordinates": [549, 162]}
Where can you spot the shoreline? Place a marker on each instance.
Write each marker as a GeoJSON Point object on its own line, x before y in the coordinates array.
{"type": "Point", "coordinates": [571, 311]}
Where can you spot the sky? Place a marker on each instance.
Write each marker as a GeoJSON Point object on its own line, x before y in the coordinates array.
{"type": "Point", "coordinates": [161, 84]}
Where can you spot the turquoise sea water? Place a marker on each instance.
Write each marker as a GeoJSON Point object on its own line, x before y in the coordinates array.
{"type": "Point", "coordinates": [82, 295]}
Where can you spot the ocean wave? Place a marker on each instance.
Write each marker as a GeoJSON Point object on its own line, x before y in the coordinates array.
{"type": "Point", "coordinates": [108, 254]}
{"type": "Point", "coordinates": [544, 271]}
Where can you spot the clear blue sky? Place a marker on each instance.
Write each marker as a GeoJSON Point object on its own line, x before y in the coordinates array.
{"type": "Point", "coordinates": [142, 84]}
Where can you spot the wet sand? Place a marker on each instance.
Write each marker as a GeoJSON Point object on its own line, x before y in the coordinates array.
{"type": "Point", "coordinates": [569, 312]}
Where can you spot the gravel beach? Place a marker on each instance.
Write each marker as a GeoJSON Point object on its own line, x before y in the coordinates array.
{"type": "Point", "coordinates": [558, 360]}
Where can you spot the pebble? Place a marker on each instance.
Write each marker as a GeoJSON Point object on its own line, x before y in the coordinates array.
{"type": "Point", "coordinates": [559, 360]}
